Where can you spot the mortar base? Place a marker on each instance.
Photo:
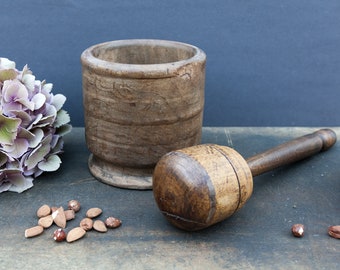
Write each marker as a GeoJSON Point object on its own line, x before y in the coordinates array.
{"type": "Point", "coordinates": [122, 177]}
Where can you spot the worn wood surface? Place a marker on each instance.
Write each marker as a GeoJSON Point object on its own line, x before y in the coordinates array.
{"type": "Point", "coordinates": [142, 99]}
{"type": "Point", "coordinates": [201, 185]}
{"type": "Point", "coordinates": [257, 236]}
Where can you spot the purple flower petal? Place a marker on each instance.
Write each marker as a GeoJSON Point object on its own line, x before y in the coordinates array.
{"type": "Point", "coordinates": [38, 136]}
{"type": "Point", "coordinates": [39, 100]}
{"type": "Point", "coordinates": [58, 101]}
{"type": "Point", "coordinates": [5, 63]}
{"type": "Point", "coordinates": [15, 91]}
{"type": "Point", "coordinates": [32, 124]}
{"type": "Point", "coordinates": [24, 116]}
{"type": "Point", "coordinates": [17, 149]}
{"type": "Point", "coordinates": [29, 81]}
{"type": "Point", "coordinates": [38, 153]}
{"type": "Point", "coordinates": [20, 183]}
{"type": "Point", "coordinates": [4, 186]}
{"type": "Point", "coordinates": [52, 163]}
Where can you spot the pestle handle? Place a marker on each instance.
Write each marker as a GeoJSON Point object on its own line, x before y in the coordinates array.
{"type": "Point", "coordinates": [292, 151]}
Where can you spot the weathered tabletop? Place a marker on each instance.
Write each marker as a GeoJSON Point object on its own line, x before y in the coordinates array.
{"type": "Point", "coordinates": [258, 236]}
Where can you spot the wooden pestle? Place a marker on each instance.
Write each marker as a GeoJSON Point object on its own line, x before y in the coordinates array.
{"type": "Point", "coordinates": [198, 186]}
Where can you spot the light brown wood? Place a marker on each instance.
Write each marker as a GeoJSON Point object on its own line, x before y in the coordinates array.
{"type": "Point", "coordinates": [201, 185]}
{"type": "Point", "coordinates": [142, 99]}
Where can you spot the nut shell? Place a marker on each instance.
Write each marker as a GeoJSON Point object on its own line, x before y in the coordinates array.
{"type": "Point", "coordinates": [59, 235]}
{"type": "Point", "coordinates": [59, 217]}
{"type": "Point", "coordinates": [73, 205]}
{"type": "Point", "coordinates": [86, 224]}
{"type": "Point", "coordinates": [298, 230]}
{"type": "Point", "coordinates": [69, 214]}
{"type": "Point", "coordinates": [112, 222]}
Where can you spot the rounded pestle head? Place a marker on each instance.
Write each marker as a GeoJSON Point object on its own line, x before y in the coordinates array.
{"type": "Point", "coordinates": [199, 186]}
{"type": "Point", "coordinates": [328, 138]}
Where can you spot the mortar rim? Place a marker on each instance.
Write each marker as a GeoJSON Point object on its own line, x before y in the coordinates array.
{"type": "Point", "coordinates": [160, 70]}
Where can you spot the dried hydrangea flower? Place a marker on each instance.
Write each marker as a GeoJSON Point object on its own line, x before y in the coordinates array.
{"type": "Point", "coordinates": [32, 123]}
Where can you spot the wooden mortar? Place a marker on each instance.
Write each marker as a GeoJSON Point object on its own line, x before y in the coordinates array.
{"type": "Point", "coordinates": [142, 99]}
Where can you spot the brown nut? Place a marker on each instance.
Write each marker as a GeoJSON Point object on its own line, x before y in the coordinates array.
{"type": "Point", "coordinates": [334, 231]}
{"type": "Point", "coordinates": [46, 222]}
{"type": "Point", "coordinates": [86, 224]}
{"type": "Point", "coordinates": [43, 211]}
{"type": "Point", "coordinates": [75, 234]}
{"type": "Point", "coordinates": [298, 230]}
{"type": "Point", "coordinates": [54, 208]}
{"type": "Point", "coordinates": [69, 214]}
{"type": "Point", "coordinates": [93, 212]}
{"type": "Point", "coordinates": [112, 222]}
{"type": "Point", "coordinates": [74, 205]}
{"type": "Point", "coordinates": [99, 226]}
{"type": "Point", "coordinates": [59, 217]}
{"type": "Point", "coordinates": [59, 235]}
{"type": "Point", "coordinates": [34, 231]}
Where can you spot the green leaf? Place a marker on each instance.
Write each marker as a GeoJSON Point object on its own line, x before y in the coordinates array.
{"type": "Point", "coordinates": [64, 129]}
{"type": "Point", "coordinates": [7, 74]}
{"type": "Point", "coordinates": [8, 129]}
{"type": "Point", "coordinates": [62, 119]}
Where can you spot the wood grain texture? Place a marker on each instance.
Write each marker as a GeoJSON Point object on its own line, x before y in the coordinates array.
{"type": "Point", "coordinates": [142, 99]}
{"type": "Point", "coordinates": [292, 151]}
{"type": "Point", "coordinates": [201, 185]}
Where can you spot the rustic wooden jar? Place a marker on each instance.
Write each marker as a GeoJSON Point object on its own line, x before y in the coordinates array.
{"type": "Point", "coordinates": [142, 99]}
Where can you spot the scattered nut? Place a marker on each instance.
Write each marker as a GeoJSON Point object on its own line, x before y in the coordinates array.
{"type": "Point", "coordinates": [99, 226]}
{"type": "Point", "coordinates": [86, 224]}
{"type": "Point", "coordinates": [298, 230]}
{"type": "Point", "coordinates": [334, 231]}
{"type": "Point", "coordinates": [43, 211]}
{"type": "Point", "coordinates": [93, 212]}
{"type": "Point", "coordinates": [112, 222]}
{"type": "Point", "coordinates": [34, 231]}
{"type": "Point", "coordinates": [47, 215]}
{"type": "Point", "coordinates": [59, 217]}
{"type": "Point", "coordinates": [46, 222]}
{"type": "Point", "coordinates": [75, 234]}
{"type": "Point", "coordinates": [59, 235]}
{"type": "Point", "coordinates": [69, 214]}
{"type": "Point", "coordinates": [74, 205]}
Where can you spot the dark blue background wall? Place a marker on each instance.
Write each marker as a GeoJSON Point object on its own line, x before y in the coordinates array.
{"type": "Point", "coordinates": [270, 63]}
